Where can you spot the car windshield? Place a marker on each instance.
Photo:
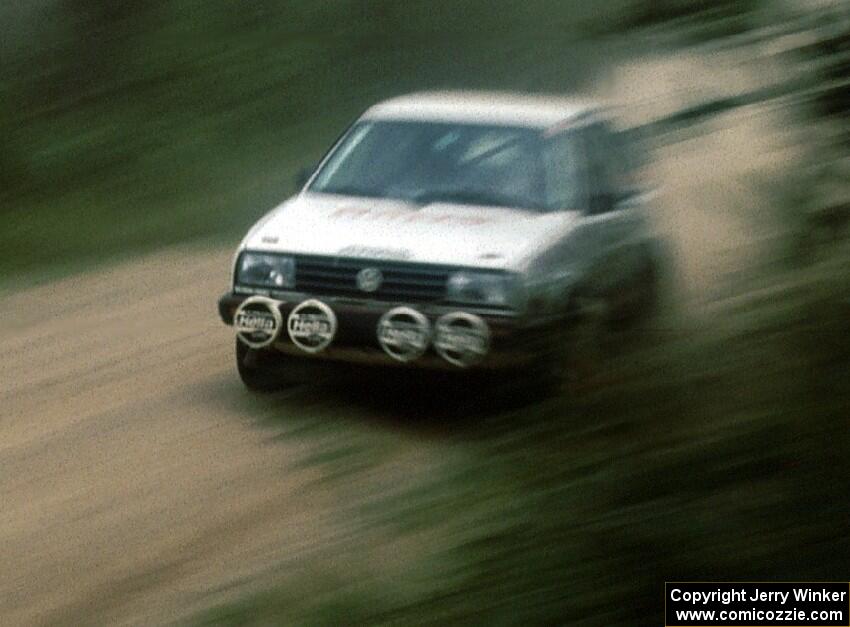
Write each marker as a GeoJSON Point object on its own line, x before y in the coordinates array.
{"type": "Point", "coordinates": [428, 162]}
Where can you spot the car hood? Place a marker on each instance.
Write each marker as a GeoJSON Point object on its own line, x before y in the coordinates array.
{"type": "Point", "coordinates": [439, 233]}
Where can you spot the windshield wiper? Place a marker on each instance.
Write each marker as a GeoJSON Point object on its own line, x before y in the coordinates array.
{"type": "Point", "coordinates": [350, 190]}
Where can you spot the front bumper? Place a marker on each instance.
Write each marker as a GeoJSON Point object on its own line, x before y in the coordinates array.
{"type": "Point", "coordinates": [513, 340]}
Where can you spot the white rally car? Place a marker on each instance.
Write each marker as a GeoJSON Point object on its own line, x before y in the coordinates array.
{"type": "Point", "coordinates": [453, 230]}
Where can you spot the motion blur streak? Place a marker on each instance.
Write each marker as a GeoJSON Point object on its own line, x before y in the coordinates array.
{"type": "Point", "coordinates": [140, 484]}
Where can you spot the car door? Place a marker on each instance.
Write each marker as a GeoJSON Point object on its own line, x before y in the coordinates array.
{"type": "Point", "coordinates": [613, 219]}
{"type": "Point", "coordinates": [582, 182]}
{"type": "Point", "coordinates": [572, 251]}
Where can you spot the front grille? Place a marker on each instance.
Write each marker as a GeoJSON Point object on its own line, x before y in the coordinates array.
{"type": "Point", "coordinates": [402, 281]}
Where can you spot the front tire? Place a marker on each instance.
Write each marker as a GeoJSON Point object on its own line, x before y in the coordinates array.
{"type": "Point", "coordinates": [576, 355]}
{"type": "Point", "coordinates": [259, 369]}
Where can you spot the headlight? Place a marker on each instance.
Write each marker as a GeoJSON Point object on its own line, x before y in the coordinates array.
{"type": "Point", "coordinates": [265, 270]}
{"type": "Point", "coordinates": [486, 288]}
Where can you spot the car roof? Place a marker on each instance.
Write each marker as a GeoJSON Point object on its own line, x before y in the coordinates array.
{"type": "Point", "coordinates": [501, 109]}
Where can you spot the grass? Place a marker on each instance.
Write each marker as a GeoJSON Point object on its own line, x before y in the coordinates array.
{"type": "Point", "coordinates": [694, 466]}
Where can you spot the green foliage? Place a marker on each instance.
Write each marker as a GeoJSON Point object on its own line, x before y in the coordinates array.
{"type": "Point", "coordinates": [132, 126]}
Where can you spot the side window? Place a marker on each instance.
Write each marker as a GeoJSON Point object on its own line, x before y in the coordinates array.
{"type": "Point", "coordinates": [608, 167]}
{"type": "Point", "coordinates": [565, 180]}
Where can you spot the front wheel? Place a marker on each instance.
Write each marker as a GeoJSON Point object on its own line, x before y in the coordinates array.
{"type": "Point", "coordinates": [259, 369]}
{"type": "Point", "coordinates": [576, 355]}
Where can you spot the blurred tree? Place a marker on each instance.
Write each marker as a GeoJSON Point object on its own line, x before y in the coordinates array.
{"type": "Point", "coordinates": [99, 35]}
{"type": "Point", "coordinates": [732, 15]}
{"type": "Point", "coordinates": [12, 172]}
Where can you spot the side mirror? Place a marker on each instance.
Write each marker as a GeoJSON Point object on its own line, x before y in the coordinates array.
{"type": "Point", "coordinates": [303, 176]}
{"type": "Point", "coordinates": [603, 202]}
{"type": "Point", "coordinates": [631, 195]}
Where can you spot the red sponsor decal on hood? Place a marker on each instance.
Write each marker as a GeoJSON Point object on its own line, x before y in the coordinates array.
{"type": "Point", "coordinates": [406, 216]}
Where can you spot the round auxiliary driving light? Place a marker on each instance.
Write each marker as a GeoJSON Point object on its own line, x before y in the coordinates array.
{"type": "Point", "coordinates": [461, 339]}
{"type": "Point", "coordinates": [257, 321]}
{"type": "Point", "coordinates": [312, 326]}
{"type": "Point", "coordinates": [404, 333]}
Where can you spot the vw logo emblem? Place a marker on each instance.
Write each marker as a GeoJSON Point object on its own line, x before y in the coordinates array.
{"type": "Point", "coordinates": [369, 279]}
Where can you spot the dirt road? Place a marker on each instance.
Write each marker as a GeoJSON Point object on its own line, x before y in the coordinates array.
{"type": "Point", "coordinates": [139, 482]}
{"type": "Point", "coordinates": [137, 478]}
